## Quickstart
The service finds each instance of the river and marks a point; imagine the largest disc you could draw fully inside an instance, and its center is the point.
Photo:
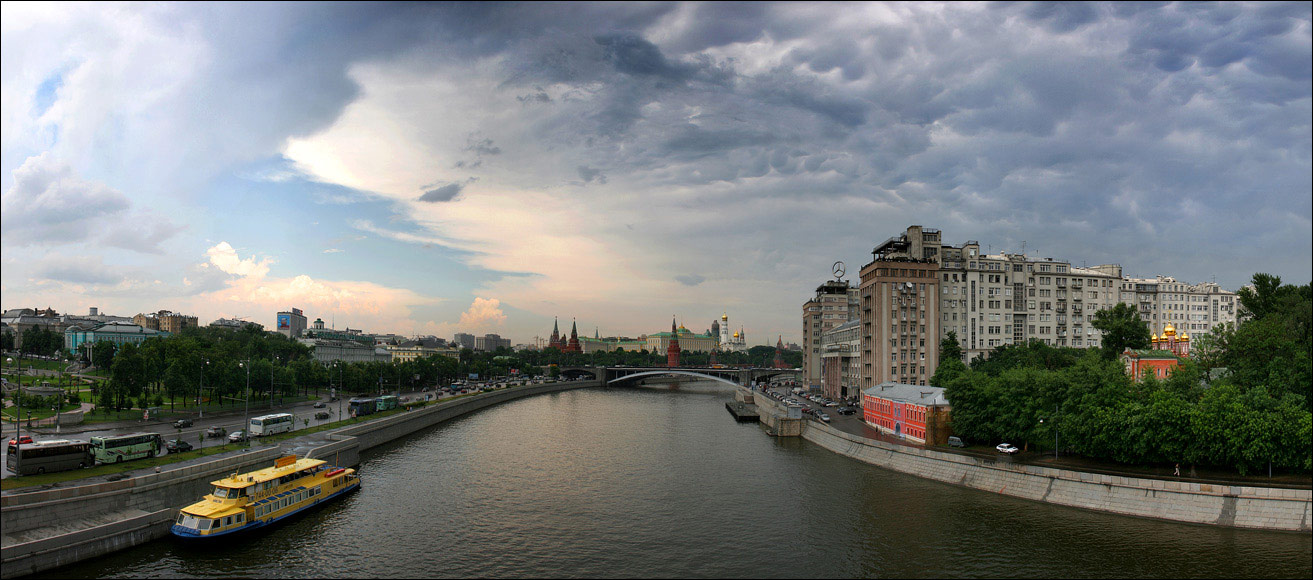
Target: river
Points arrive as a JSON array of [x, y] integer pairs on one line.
[[660, 481]]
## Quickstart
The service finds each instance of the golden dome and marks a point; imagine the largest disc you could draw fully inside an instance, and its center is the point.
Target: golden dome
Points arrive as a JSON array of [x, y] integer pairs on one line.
[[1154, 337], [1169, 330], [1185, 336], [724, 317], [736, 334]]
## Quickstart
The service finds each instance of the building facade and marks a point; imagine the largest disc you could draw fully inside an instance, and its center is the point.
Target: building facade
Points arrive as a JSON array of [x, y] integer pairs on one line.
[[915, 412], [235, 324], [836, 303], [688, 341], [900, 314], [291, 323], [116, 332], [841, 360], [995, 299]]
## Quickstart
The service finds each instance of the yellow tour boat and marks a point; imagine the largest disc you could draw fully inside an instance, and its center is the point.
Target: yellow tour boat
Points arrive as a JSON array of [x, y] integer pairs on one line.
[[248, 501]]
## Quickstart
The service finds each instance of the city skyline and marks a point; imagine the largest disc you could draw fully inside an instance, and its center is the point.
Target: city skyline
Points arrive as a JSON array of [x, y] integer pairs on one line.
[[425, 169]]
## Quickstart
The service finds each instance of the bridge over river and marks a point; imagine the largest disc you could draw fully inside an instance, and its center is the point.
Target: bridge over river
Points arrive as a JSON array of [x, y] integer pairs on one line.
[[744, 377]]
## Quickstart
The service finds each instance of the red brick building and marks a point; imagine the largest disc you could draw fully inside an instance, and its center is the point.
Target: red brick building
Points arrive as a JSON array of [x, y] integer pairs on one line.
[[915, 412]]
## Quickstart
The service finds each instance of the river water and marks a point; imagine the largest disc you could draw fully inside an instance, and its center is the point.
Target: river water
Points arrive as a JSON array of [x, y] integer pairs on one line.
[[661, 482]]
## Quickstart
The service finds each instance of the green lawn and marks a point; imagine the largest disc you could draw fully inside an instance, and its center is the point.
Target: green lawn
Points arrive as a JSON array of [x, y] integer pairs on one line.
[[49, 365], [11, 413]]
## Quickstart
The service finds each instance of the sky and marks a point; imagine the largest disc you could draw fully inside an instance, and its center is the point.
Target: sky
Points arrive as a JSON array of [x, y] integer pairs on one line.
[[486, 168]]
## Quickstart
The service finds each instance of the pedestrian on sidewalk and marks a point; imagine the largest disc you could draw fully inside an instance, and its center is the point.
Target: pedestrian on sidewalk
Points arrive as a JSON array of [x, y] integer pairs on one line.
[[1177, 473]]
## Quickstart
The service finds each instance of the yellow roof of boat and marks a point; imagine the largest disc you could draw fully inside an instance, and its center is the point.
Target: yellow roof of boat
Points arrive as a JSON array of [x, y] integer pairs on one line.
[[281, 468]]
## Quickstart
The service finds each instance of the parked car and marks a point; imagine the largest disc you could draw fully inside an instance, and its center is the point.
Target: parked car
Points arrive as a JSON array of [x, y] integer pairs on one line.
[[822, 416], [846, 411], [237, 436], [215, 432], [180, 423], [955, 441], [177, 446], [1007, 448], [320, 405]]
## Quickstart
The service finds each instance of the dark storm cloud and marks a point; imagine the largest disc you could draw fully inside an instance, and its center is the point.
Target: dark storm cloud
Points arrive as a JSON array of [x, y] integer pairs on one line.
[[1149, 120], [690, 279], [440, 194], [589, 175]]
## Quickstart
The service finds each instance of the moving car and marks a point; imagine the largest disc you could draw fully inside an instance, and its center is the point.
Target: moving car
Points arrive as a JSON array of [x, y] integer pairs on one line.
[[320, 405], [237, 436], [955, 441], [1007, 448], [322, 415], [22, 440], [177, 446], [180, 423], [213, 432]]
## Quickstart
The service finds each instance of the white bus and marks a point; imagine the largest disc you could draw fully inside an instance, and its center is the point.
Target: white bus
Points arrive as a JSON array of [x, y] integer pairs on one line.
[[271, 424]]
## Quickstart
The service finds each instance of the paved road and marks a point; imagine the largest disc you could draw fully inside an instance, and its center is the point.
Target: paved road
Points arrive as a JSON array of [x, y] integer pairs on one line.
[[303, 411]]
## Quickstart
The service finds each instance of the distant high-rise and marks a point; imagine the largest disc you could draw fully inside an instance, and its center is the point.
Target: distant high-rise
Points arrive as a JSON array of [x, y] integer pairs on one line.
[[291, 323]]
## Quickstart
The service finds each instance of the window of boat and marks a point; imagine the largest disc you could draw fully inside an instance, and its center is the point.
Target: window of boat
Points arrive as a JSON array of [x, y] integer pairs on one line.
[[204, 525], [221, 492], [180, 518], [241, 518]]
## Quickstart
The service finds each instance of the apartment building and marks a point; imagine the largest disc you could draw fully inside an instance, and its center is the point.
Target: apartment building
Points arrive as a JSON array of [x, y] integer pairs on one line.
[[900, 311], [836, 303], [994, 299], [165, 321]]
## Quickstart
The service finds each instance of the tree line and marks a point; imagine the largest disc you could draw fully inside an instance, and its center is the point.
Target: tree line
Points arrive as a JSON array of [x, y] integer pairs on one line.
[[1242, 400]]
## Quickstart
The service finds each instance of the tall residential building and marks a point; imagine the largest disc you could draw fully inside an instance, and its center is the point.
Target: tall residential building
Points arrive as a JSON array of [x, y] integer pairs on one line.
[[291, 323], [464, 340], [836, 302], [900, 313], [490, 342], [994, 299]]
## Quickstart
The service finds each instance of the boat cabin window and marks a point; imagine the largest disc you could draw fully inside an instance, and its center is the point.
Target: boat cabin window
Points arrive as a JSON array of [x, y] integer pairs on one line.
[[223, 492]]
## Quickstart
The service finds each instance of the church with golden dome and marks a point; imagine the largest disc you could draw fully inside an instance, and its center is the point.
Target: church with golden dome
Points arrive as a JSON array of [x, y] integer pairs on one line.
[[1162, 357]]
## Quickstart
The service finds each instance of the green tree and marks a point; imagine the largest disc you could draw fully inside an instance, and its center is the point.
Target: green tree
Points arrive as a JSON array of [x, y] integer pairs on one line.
[[1122, 328]]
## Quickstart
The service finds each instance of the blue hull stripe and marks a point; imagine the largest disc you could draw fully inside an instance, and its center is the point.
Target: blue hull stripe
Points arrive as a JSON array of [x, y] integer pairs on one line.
[[194, 534]]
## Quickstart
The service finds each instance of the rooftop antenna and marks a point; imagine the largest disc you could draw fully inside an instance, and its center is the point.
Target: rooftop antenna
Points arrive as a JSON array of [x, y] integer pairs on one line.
[[1023, 248]]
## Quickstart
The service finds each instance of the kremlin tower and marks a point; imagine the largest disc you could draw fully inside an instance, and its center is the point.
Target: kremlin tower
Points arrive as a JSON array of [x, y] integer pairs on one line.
[[573, 345], [779, 352], [556, 341], [672, 353]]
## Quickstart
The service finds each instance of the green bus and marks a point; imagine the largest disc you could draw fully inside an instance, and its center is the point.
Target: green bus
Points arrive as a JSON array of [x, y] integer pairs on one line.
[[387, 402], [49, 456], [126, 447]]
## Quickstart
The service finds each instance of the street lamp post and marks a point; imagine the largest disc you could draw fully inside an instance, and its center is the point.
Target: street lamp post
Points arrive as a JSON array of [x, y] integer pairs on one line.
[[200, 392], [246, 427]]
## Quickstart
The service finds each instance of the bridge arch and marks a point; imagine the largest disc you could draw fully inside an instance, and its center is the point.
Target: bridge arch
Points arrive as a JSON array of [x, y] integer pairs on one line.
[[645, 374]]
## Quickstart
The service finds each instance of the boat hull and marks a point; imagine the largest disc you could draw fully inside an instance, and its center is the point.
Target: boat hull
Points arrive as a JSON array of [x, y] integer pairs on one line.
[[193, 536]]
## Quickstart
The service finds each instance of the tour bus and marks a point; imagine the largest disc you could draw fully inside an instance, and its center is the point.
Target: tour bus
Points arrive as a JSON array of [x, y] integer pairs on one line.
[[272, 424], [49, 456], [387, 402], [126, 447], [362, 407]]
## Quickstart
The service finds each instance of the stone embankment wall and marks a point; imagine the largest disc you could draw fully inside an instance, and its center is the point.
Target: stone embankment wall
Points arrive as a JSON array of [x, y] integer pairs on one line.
[[93, 520], [1238, 506], [99, 518]]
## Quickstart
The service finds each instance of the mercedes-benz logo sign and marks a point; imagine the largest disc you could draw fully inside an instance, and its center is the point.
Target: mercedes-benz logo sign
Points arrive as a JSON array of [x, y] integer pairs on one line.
[[838, 270]]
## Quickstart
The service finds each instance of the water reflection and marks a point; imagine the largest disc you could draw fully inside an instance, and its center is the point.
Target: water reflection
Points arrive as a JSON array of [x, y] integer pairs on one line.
[[662, 482]]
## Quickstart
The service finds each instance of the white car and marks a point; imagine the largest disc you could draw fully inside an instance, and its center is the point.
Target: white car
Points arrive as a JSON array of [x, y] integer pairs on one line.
[[1007, 448]]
